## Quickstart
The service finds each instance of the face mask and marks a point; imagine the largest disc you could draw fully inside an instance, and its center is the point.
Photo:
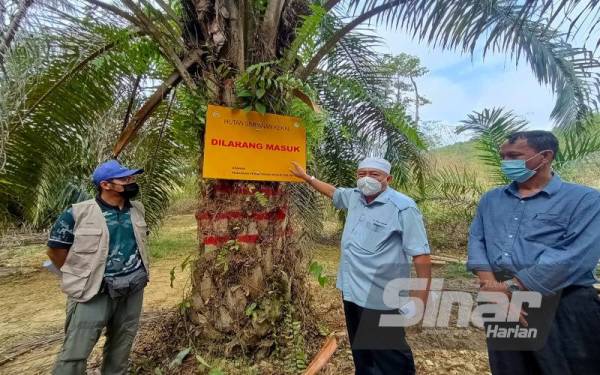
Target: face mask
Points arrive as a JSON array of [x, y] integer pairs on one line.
[[130, 190], [516, 170], [368, 185]]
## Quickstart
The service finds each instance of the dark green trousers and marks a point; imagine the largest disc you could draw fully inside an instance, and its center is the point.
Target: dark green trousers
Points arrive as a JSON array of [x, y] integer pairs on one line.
[[84, 324]]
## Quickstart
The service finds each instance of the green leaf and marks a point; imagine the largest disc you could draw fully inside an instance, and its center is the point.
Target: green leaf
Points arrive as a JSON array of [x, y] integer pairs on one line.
[[315, 268], [185, 262], [322, 280], [260, 107], [244, 93], [260, 93], [172, 276], [261, 198], [250, 309]]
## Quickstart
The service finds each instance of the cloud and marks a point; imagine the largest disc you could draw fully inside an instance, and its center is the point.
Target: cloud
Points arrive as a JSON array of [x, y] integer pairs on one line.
[[433, 59], [444, 95], [519, 91], [458, 84]]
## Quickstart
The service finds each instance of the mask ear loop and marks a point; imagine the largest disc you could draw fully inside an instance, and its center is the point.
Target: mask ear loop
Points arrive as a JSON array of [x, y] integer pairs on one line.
[[541, 164]]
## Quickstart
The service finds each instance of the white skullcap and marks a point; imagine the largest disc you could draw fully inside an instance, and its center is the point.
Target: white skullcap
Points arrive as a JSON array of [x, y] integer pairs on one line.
[[376, 163]]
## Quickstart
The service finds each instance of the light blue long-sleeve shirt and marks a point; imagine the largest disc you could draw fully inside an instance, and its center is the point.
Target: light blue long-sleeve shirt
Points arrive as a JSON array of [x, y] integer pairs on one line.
[[548, 241], [378, 243]]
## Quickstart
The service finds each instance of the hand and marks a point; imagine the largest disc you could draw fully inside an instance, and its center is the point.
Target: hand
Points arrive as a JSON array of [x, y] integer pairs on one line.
[[493, 286], [522, 319], [298, 171], [497, 286], [409, 309]]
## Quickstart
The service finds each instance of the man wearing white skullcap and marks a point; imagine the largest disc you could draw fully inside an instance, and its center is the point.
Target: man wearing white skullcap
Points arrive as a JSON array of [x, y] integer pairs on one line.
[[383, 232]]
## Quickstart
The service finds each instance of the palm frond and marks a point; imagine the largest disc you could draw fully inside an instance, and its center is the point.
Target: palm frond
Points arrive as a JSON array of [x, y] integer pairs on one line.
[[516, 27], [578, 147], [307, 208], [455, 184], [57, 133], [361, 121], [490, 128]]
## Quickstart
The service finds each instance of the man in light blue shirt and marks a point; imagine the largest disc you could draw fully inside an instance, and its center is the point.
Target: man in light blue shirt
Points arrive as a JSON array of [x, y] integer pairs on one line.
[[383, 233], [540, 234]]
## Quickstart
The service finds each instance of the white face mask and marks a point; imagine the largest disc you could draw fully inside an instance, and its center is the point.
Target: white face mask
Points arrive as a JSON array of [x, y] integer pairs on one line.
[[368, 185]]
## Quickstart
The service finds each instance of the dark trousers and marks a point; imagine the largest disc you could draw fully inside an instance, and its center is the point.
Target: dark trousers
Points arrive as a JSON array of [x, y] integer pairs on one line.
[[84, 324], [376, 350], [572, 346]]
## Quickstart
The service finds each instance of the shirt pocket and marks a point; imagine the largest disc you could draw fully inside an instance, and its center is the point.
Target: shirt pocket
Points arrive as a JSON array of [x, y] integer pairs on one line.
[[371, 234], [546, 228], [87, 240]]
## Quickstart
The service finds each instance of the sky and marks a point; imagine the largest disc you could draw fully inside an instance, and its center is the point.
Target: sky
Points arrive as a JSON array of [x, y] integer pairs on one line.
[[458, 84]]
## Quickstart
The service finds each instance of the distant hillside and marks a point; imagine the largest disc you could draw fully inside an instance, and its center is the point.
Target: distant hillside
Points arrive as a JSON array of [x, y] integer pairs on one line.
[[464, 155], [461, 155]]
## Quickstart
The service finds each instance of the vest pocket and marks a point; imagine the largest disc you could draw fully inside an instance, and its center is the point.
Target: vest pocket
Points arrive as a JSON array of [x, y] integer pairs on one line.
[[74, 280], [87, 240], [142, 229]]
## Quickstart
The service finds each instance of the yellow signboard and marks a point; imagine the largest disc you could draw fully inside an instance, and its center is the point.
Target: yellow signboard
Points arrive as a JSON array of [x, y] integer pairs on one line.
[[240, 145]]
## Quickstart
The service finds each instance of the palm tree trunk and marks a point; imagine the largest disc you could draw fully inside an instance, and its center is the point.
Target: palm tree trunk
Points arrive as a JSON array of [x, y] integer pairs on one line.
[[249, 270], [250, 274]]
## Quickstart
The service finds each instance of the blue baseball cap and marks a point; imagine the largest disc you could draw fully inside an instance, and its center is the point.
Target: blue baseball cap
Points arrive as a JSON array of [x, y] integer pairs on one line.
[[112, 169]]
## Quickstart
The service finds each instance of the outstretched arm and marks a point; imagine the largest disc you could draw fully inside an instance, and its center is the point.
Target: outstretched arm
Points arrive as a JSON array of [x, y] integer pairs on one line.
[[320, 186]]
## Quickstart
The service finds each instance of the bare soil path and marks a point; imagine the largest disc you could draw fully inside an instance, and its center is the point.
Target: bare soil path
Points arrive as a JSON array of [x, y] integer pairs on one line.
[[32, 311]]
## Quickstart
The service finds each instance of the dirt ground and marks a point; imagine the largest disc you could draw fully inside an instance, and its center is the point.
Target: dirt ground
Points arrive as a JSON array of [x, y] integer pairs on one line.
[[32, 311]]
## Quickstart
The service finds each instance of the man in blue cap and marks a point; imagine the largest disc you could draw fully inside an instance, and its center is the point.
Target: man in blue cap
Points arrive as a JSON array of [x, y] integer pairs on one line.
[[100, 247], [383, 232]]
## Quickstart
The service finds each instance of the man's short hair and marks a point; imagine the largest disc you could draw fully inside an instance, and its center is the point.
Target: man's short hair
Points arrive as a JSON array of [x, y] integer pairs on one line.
[[539, 140]]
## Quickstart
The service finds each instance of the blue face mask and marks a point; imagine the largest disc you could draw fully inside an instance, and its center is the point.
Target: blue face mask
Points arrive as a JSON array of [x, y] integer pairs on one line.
[[516, 169]]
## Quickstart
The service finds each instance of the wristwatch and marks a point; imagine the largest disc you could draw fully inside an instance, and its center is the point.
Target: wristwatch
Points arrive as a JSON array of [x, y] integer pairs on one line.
[[512, 286]]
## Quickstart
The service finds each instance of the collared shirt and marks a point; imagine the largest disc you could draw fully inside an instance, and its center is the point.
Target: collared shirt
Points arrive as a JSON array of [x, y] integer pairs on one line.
[[378, 243], [123, 254], [548, 241]]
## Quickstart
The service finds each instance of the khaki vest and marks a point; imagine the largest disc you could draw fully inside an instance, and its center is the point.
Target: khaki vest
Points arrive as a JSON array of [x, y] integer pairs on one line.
[[84, 267]]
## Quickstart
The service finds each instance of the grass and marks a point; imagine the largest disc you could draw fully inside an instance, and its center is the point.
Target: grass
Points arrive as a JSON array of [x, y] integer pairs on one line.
[[184, 200], [462, 154], [177, 236], [457, 270]]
